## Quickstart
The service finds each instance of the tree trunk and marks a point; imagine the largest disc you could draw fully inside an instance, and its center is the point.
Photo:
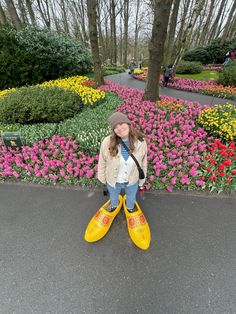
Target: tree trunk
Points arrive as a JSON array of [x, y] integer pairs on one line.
[[101, 37], [121, 37], [136, 30], [126, 25], [83, 22], [186, 39], [206, 26], [232, 30], [227, 25], [182, 30], [80, 12], [92, 19], [64, 17], [44, 12], [54, 17], [13, 14], [156, 48], [3, 19], [113, 28], [216, 22], [31, 12], [23, 13], [171, 33]]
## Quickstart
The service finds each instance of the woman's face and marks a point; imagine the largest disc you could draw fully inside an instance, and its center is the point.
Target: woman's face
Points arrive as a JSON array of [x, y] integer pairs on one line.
[[122, 130]]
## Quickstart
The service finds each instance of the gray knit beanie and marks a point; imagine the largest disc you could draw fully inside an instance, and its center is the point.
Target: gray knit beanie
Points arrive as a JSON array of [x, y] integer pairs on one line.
[[118, 118]]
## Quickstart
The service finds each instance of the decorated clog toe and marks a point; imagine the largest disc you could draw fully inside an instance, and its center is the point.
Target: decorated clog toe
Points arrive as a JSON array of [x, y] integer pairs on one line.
[[101, 222], [138, 227]]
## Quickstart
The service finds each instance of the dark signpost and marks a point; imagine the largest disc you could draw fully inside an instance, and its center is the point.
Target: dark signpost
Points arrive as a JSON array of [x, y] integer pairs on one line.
[[12, 139]]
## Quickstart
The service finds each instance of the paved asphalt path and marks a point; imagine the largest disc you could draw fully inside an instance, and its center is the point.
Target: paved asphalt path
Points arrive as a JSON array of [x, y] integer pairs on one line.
[[125, 79], [47, 267]]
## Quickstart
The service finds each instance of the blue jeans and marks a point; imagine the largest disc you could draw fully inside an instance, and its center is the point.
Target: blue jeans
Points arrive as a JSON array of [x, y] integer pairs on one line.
[[130, 191]]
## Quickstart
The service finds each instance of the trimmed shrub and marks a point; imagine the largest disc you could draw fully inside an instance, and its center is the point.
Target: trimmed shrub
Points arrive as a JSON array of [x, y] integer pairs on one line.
[[109, 70], [228, 75], [88, 127], [213, 53], [35, 55], [199, 54], [30, 105], [186, 67]]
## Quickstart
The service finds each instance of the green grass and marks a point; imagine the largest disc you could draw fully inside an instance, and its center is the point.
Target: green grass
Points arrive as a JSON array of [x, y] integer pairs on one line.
[[203, 76]]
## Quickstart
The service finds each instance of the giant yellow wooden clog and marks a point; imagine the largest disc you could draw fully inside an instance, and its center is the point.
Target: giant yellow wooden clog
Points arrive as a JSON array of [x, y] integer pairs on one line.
[[101, 222], [138, 227]]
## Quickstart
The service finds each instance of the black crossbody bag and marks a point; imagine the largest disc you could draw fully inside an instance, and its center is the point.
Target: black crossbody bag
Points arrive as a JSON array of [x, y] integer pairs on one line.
[[140, 170]]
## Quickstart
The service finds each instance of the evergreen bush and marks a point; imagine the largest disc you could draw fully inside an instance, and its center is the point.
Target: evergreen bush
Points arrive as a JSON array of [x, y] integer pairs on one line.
[[227, 76], [213, 53], [35, 55], [29, 105], [186, 67]]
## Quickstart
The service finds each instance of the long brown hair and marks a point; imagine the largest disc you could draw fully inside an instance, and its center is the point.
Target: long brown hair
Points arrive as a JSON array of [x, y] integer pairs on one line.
[[115, 140]]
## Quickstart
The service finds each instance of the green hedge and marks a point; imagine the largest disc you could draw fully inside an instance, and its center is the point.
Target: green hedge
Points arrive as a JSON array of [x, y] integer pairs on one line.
[[213, 53], [35, 55], [227, 76], [109, 70], [88, 127], [188, 67], [39, 105]]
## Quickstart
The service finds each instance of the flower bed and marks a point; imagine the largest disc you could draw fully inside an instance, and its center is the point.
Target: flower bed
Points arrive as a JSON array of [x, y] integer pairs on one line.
[[213, 67], [218, 167], [50, 160], [203, 87], [178, 148], [220, 120], [79, 84]]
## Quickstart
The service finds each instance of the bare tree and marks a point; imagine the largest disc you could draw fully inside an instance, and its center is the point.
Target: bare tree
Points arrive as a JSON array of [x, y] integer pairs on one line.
[[14, 15], [23, 13], [172, 30], [206, 26], [185, 39], [81, 15], [43, 7], [156, 48], [215, 24], [121, 35], [232, 30], [227, 25], [126, 25], [64, 16], [3, 18], [136, 32], [31, 11], [92, 18], [100, 32]]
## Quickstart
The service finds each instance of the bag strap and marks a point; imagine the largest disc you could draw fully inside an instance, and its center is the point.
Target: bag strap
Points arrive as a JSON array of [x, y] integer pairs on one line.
[[131, 155]]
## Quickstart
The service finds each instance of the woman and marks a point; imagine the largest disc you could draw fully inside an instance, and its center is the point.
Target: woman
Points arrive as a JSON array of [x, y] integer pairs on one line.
[[117, 169], [132, 66]]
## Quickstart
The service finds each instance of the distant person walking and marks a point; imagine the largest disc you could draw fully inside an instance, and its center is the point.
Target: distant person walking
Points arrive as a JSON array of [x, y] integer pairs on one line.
[[140, 65], [227, 58], [166, 75], [132, 66], [232, 55]]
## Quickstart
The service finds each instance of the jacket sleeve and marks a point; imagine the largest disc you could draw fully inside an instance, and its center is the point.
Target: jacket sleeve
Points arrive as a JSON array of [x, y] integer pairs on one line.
[[102, 164], [144, 164]]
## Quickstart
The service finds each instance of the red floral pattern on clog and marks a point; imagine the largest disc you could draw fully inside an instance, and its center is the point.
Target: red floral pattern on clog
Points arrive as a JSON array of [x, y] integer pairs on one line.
[[102, 218], [136, 221]]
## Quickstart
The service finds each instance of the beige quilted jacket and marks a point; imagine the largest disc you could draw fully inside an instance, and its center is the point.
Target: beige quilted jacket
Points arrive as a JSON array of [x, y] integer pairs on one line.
[[108, 166]]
